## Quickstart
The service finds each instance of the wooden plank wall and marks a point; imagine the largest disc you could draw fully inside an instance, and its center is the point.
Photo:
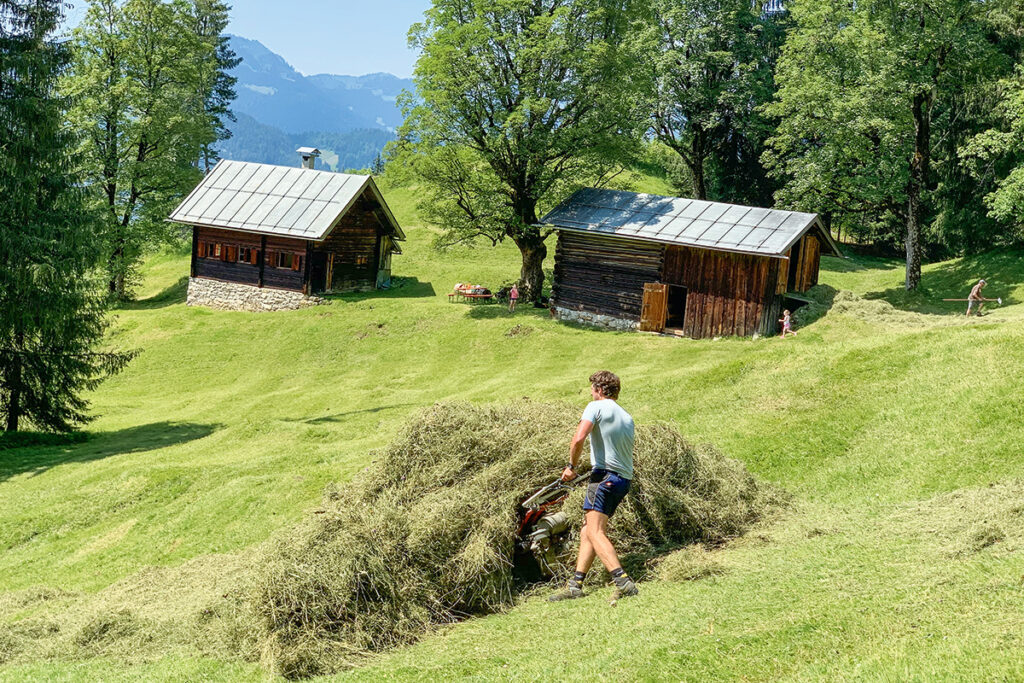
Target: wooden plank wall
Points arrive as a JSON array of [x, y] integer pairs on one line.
[[355, 237], [727, 294], [602, 274]]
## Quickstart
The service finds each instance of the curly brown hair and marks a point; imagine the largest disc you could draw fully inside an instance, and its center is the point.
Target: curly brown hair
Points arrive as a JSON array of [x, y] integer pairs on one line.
[[607, 383]]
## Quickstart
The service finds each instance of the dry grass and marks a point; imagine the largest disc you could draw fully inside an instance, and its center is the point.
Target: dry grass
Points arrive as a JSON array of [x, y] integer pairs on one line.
[[425, 535], [970, 521], [691, 563]]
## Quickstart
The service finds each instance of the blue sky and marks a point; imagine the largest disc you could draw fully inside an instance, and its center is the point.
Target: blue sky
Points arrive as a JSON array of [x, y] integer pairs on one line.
[[327, 36]]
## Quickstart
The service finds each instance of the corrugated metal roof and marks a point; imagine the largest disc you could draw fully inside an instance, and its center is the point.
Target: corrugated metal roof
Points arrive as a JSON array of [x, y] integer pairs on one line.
[[275, 200], [690, 222]]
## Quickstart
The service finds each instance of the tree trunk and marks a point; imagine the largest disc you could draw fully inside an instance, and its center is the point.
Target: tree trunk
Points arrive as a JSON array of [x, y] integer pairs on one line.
[[116, 283], [919, 168], [699, 185], [531, 275], [698, 154], [13, 381]]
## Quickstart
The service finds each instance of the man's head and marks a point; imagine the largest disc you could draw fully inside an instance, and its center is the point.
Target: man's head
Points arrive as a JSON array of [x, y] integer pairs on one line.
[[982, 283], [604, 384]]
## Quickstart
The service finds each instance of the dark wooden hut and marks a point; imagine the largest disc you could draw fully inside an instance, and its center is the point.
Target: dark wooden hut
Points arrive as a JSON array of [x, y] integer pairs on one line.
[[293, 229], [696, 268]]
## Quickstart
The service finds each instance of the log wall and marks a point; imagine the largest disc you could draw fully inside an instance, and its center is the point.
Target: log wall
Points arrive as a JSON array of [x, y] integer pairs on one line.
[[604, 275]]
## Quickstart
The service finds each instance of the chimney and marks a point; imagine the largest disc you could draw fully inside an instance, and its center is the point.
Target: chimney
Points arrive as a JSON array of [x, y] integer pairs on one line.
[[309, 155]]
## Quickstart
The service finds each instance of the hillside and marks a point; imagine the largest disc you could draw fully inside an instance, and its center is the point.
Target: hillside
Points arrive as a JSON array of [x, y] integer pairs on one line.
[[893, 422]]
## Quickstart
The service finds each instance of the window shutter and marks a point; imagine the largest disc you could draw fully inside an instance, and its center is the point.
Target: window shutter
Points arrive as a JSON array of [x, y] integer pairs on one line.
[[295, 261], [201, 249], [254, 257], [270, 258]]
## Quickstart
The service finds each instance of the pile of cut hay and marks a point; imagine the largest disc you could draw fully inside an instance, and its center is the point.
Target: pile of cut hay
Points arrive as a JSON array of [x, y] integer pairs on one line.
[[425, 535]]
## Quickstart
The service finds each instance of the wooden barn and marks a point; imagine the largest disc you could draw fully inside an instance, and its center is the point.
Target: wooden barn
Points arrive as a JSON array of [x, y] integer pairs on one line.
[[273, 234], [695, 268]]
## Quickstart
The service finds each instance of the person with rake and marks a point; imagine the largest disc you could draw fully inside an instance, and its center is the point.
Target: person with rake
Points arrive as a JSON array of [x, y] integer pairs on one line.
[[611, 433], [975, 298]]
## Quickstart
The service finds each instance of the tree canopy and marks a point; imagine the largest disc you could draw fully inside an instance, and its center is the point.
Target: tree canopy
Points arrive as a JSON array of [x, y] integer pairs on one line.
[[52, 314], [517, 103], [149, 102], [862, 90]]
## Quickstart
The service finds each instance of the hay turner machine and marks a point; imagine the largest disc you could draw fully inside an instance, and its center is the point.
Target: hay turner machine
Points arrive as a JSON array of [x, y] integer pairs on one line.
[[544, 530]]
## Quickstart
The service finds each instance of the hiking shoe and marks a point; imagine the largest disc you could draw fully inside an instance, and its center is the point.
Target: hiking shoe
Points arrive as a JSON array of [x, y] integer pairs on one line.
[[572, 591], [624, 588]]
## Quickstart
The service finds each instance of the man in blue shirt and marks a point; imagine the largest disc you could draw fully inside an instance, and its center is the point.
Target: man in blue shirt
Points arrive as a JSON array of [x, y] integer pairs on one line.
[[611, 433]]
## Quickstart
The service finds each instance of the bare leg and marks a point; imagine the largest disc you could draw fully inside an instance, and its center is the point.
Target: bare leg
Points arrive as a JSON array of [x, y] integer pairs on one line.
[[586, 558], [596, 524]]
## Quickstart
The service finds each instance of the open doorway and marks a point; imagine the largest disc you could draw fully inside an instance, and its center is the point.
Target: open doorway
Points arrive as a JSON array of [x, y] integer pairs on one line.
[[794, 265], [676, 307]]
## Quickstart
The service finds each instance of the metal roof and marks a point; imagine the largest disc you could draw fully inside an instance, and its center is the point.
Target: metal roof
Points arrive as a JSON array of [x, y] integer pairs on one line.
[[689, 222], [276, 200]]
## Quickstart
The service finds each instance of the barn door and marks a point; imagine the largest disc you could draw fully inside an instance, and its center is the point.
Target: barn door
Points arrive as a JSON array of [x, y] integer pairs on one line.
[[655, 307]]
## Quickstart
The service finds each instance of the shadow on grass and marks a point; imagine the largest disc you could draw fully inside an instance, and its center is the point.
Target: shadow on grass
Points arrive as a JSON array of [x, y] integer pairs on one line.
[[401, 288], [36, 459], [341, 417], [954, 280], [495, 311], [175, 294], [822, 297]]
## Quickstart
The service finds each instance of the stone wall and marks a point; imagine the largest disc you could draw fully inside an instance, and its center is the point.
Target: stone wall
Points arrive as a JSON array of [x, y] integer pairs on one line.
[[231, 296], [595, 319]]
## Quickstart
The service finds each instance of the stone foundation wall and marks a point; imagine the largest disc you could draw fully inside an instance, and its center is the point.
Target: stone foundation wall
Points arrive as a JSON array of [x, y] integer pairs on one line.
[[231, 296], [595, 319]]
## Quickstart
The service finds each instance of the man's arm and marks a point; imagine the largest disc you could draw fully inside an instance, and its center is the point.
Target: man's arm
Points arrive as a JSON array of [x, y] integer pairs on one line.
[[575, 447]]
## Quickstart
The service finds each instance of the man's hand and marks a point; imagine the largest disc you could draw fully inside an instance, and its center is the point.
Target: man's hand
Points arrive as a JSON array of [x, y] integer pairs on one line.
[[568, 473]]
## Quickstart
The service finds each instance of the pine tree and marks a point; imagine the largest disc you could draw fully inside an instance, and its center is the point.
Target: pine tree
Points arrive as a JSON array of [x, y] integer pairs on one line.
[[51, 315]]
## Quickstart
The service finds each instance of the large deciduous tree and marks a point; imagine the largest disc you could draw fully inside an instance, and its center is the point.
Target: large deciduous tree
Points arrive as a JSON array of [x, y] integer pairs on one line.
[[711, 68], [52, 315], [998, 154], [860, 86], [149, 104], [518, 102]]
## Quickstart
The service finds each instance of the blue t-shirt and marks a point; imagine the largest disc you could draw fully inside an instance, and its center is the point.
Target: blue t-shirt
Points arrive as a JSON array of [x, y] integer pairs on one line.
[[611, 441]]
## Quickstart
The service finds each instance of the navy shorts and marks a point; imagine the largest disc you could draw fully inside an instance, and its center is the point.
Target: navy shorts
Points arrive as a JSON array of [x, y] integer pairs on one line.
[[605, 491]]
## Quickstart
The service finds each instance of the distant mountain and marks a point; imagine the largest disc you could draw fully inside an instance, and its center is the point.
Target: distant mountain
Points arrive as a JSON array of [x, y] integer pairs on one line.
[[254, 141], [350, 118]]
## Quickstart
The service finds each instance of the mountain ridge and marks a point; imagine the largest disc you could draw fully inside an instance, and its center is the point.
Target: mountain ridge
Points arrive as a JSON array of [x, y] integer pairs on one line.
[[277, 106]]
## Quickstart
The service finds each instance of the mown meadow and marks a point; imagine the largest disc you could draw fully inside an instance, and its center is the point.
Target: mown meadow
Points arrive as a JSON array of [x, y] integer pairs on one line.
[[893, 422]]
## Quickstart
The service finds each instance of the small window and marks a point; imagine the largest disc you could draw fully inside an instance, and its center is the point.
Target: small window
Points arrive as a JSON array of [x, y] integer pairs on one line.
[[245, 254], [211, 251], [283, 260], [362, 260]]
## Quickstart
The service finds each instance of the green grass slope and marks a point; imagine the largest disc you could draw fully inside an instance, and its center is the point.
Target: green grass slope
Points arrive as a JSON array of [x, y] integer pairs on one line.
[[894, 421]]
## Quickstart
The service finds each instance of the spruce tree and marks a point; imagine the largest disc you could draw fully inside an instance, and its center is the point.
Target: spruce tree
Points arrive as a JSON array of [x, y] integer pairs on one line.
[[52, 318], [217, 85]]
